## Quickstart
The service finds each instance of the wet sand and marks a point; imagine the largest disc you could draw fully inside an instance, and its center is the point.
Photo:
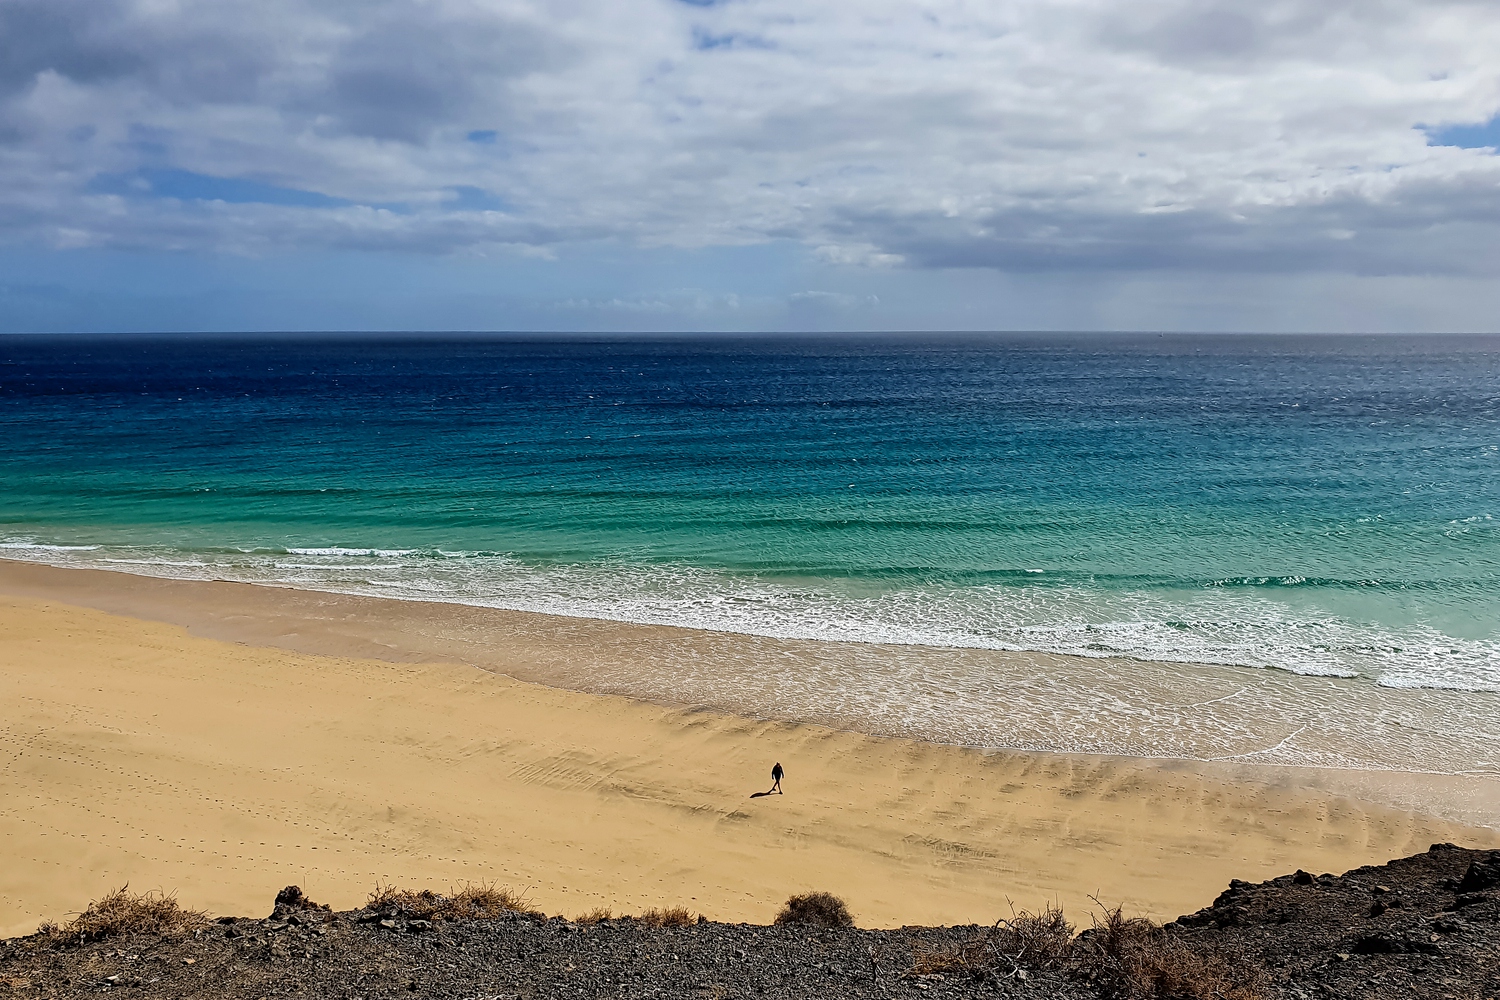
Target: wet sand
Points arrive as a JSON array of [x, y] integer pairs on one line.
[[1349, 730]]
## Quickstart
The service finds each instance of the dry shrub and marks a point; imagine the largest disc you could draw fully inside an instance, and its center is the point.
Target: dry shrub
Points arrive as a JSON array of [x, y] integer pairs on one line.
[[1130, 958], [1143, 961], [293, 898], [472, 902], [958, 960], [595, 916], [124, 912], [675, 916], [822, 909], [1039, 940]]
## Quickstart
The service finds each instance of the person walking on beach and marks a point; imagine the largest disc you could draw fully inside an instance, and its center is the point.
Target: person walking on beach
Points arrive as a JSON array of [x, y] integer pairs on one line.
[[776, 773]]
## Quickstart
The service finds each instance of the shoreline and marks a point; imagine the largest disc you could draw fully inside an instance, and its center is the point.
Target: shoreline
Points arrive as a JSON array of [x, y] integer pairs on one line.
[[604, 656], [137, 751]]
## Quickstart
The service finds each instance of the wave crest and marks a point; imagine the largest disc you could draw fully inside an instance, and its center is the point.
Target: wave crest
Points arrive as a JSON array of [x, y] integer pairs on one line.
[[1240, 625]]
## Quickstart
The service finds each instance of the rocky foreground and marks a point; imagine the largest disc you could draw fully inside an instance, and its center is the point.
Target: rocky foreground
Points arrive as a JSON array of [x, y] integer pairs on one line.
[[1425, 926]]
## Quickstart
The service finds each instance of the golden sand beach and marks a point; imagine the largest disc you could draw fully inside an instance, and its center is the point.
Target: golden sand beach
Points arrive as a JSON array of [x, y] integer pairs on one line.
[[220, 741]]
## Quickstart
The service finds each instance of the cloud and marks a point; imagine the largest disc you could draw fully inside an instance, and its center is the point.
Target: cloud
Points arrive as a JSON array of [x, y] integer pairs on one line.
[[1067, 135], [71, 39], [184, 185]]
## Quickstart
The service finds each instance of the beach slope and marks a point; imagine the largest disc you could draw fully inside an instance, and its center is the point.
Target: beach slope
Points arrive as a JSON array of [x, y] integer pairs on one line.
[[132, 751]]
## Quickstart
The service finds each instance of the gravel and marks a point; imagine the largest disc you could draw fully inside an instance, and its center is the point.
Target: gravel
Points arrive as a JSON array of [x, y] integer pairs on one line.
[[1426, 926]]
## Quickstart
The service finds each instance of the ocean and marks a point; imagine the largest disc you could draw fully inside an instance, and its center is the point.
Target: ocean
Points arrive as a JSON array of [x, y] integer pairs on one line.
[[1326, 506]]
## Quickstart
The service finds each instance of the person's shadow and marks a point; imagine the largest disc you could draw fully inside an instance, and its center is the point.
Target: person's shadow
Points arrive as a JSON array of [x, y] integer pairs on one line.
[[756, 795]]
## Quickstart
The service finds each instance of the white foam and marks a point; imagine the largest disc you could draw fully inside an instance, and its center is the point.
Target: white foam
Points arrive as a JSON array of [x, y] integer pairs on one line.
[[339, 567], [335, 550], [1232, 626], [931, 676], [20, 546]]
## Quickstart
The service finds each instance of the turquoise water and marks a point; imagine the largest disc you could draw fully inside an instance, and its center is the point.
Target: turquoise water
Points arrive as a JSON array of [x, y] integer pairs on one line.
[[1320, 505]]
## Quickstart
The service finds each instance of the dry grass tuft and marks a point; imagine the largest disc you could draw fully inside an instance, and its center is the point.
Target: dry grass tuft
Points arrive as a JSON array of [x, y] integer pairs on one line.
[[672, 916], [472, 902], [595, 916], [926, 961], [1132, 958], [1145, 962], [1039, 940], [675, 916], [124, 912], [822, 909]]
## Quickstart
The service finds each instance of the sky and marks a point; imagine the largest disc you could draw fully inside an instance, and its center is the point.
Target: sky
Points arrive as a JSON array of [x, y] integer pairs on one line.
[[738, 165]]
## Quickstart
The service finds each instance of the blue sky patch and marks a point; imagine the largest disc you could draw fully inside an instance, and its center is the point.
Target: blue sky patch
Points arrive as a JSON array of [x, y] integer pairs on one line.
[[483, 136], [704, 40], [1466, 136], [473, 199]]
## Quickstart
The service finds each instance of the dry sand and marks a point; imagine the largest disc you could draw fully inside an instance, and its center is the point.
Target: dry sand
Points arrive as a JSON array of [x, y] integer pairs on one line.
[[132, 750]]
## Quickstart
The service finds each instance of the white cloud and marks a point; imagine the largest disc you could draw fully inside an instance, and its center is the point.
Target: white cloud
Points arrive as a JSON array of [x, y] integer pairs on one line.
[[837, 300], [861, 254], [1258, 137]]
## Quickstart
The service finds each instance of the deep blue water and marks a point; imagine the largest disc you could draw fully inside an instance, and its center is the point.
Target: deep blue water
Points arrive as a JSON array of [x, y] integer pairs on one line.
[[1319, 504]]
